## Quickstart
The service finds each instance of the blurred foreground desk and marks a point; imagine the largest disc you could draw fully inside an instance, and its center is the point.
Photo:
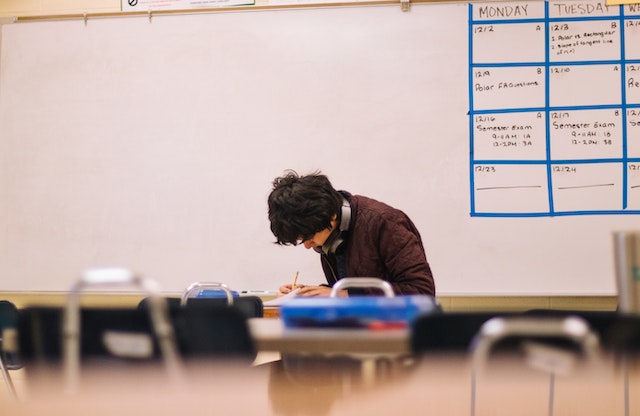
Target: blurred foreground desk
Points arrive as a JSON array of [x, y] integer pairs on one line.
[[364, 357], [439, 386], [271, 335]]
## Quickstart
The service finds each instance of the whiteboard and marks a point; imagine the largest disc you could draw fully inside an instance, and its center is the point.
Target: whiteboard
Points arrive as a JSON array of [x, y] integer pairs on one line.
[[152, 144], [544, 141]]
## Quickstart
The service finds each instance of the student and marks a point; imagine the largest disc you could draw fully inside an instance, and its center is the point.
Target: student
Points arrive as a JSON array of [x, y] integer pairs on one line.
[[356, 236]]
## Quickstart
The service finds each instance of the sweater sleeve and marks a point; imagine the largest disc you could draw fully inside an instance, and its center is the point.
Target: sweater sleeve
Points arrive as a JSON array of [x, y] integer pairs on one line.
[[403, 256]]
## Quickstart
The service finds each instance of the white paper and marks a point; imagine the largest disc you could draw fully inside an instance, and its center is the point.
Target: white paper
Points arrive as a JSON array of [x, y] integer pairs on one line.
[[281, 299]]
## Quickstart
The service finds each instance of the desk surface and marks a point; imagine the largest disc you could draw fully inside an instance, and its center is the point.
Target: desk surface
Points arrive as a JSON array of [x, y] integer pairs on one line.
[[440, 387], [271, 335]]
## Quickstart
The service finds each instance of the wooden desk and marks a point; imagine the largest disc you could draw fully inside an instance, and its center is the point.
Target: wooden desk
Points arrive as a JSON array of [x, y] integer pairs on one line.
[[439, 386], [363, 357], [443, 386], [271, 335]]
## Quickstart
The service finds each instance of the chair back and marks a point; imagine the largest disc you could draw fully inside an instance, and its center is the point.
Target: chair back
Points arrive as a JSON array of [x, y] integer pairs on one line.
[[9, 357], [447, 332], [249, 306], [619, 333], [8, 335], [551, 344], [110, 334]]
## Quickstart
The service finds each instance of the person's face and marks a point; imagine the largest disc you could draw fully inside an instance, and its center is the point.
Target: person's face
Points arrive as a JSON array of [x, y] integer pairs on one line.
[[320, 237]]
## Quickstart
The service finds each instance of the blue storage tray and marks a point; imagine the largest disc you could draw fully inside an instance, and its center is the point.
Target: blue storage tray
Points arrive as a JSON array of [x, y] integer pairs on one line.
[[361, 311], [215, 293]]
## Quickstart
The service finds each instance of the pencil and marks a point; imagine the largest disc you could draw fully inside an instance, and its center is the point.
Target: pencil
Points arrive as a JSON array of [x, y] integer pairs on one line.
[[295, 279]]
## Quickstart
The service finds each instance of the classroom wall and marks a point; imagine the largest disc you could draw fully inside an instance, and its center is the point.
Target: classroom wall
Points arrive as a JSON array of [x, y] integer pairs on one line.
[[15, 8], [22, 8], [481, 226]]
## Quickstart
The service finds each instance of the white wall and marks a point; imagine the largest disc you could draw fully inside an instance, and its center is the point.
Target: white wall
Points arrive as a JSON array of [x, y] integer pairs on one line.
[[16, 8]]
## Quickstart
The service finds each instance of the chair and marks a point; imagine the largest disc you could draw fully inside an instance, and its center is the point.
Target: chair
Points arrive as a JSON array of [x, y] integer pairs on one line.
[[454, 331], [486, 338], [448, 332], [102, 335], [9, 358], [221, 320], [598, 320], [551, 344], [109, 334], [619, 335], [66, 339], [202, 293], [250, 306], [62, 338], [622, 339]]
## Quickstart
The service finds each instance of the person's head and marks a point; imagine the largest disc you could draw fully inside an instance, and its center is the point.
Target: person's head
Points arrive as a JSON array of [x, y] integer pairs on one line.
[[303, 209]]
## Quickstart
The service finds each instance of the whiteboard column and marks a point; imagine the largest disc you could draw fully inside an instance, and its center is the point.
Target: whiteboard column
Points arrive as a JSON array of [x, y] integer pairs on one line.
[[552, 106]]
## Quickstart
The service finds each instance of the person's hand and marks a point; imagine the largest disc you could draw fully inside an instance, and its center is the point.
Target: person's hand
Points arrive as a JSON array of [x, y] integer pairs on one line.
[[318, 291], [286, 289]]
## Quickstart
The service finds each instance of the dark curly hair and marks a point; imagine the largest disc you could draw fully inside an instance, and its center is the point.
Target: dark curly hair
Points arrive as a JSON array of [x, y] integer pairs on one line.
[[300, 206]]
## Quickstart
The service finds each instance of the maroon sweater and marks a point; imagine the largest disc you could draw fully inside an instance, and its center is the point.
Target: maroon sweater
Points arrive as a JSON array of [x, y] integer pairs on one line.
[[382, 242]]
